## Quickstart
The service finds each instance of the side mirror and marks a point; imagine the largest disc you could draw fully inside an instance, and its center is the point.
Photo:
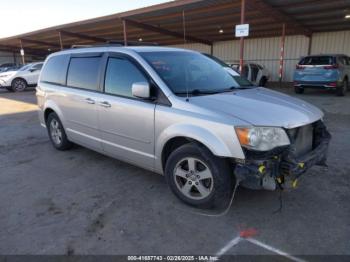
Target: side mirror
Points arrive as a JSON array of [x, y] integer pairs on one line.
[[141, 90], [32, 70]]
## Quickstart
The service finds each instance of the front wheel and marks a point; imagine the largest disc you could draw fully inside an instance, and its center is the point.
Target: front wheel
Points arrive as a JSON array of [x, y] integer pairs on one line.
[[199, 178], [18, 85], [56, 132]]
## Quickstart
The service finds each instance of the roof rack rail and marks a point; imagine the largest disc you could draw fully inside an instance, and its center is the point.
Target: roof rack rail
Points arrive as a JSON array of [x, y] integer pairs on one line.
[[132, 43], [119, 43], [81, 46]]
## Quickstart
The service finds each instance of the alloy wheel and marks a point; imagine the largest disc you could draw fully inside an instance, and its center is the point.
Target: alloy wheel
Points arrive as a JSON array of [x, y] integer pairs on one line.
[[55, 131], [19, 85], [193, 178]]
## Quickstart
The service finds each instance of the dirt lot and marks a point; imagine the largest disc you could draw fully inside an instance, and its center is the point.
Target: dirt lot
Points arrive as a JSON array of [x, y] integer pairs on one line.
[[82, 202]]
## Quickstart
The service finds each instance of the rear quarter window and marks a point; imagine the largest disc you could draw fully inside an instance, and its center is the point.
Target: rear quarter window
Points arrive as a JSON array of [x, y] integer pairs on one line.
[[83, 72], [55, 70]]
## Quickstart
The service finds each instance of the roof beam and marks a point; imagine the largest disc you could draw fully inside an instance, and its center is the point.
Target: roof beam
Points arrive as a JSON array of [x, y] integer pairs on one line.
[[31, 41], [83, 36], [166, 32], [278, 15], [197, 11]]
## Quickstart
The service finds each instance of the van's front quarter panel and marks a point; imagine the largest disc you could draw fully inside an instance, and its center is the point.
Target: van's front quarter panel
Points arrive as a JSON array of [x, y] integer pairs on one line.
[[218, 136]]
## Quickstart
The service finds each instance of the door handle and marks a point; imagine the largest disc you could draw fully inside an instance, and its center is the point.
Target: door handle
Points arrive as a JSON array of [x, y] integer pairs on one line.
[[90, 101], [105, 104]]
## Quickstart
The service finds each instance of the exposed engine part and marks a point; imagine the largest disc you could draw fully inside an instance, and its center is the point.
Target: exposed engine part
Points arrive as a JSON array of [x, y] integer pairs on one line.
[[283, 166]]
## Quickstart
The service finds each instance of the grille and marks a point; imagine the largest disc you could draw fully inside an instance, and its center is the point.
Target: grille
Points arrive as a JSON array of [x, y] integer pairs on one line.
[[302, 139]]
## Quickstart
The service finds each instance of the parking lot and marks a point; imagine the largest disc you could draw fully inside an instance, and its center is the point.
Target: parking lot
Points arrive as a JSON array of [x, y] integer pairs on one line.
[[82, 202]]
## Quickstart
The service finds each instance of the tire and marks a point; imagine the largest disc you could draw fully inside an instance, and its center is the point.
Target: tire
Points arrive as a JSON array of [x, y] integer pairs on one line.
[[9, 88], [298, 90], [56, 132], [18, 85], [341, 90], [208, 184], [263, 82]]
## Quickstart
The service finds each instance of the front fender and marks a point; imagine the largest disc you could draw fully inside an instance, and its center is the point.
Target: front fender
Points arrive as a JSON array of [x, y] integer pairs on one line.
[[213, 142]]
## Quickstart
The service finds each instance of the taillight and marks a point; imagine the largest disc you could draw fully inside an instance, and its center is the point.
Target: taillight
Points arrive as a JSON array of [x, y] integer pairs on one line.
[[335, 66], [299, 67]]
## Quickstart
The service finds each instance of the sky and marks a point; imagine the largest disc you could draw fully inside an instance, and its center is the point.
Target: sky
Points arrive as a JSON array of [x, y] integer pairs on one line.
[[22, 16]]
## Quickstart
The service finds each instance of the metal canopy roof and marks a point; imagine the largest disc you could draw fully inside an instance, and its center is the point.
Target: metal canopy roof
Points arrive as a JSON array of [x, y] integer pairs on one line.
[[203, 19]]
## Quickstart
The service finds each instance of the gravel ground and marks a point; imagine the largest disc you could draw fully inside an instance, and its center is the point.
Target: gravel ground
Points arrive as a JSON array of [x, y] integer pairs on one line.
[[82, 202]]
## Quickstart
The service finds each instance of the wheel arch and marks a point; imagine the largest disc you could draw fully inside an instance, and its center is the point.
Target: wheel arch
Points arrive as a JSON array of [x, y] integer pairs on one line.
[[176, 136], [19, 77], [52, 107]]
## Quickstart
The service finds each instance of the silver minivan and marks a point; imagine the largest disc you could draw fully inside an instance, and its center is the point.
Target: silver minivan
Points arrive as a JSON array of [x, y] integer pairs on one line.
[[179, 113]]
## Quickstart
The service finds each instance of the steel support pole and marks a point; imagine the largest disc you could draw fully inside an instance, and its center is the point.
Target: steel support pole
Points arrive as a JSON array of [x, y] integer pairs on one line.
[[283, 38], [241, 42], [184, 25], [125, 33], [60, 37], [23, 58]]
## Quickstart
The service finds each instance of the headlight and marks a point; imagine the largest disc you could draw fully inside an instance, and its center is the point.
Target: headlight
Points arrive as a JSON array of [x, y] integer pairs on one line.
[[3, 76], [262, 138]]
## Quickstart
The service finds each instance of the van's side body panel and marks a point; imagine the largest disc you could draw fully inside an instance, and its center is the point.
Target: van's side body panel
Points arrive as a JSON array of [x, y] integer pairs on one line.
[[136, 131]]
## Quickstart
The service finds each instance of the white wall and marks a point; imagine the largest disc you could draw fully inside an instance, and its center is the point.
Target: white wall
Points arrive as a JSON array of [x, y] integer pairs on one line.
[[266, 51], [6, 57], [195, 46]]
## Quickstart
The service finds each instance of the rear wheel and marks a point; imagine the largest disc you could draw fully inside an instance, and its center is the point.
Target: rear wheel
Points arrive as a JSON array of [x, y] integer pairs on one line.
[[298, 90], [56, 132], [199, 178], [18, 85], [341, 90]]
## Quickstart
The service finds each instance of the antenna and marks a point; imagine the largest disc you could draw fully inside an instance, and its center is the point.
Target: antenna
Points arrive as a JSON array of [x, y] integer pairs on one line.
[[184, 31]]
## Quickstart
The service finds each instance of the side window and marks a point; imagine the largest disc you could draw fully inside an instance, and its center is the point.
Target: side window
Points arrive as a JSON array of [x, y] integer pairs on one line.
[[37, 66], [55, 70], [347, 60], [83, 72], [341, 60], [120, 75]]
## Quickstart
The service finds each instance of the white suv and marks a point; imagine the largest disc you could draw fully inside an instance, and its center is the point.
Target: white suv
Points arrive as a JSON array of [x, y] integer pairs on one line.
[[17, 80]]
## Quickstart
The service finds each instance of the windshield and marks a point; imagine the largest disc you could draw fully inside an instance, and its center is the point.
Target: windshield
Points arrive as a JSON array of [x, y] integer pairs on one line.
[[191, 72], [217, 60], [25, 67]]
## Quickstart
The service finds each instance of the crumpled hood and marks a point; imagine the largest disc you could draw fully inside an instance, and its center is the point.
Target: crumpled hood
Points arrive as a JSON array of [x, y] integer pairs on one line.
[[261, 107]]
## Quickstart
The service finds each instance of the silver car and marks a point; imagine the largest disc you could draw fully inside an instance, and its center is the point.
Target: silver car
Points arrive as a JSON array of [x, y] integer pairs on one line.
[[179, 113]]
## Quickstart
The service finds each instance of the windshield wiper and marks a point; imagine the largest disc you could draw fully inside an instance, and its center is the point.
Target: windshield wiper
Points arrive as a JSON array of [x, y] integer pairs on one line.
[[237, 87], [198, 92]]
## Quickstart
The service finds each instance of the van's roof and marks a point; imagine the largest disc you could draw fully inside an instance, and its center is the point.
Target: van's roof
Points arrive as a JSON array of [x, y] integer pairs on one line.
[[109, 48]]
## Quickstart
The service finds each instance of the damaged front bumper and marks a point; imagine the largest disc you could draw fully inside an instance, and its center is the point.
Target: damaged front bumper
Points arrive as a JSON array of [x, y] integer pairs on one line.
[[282, 167]]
